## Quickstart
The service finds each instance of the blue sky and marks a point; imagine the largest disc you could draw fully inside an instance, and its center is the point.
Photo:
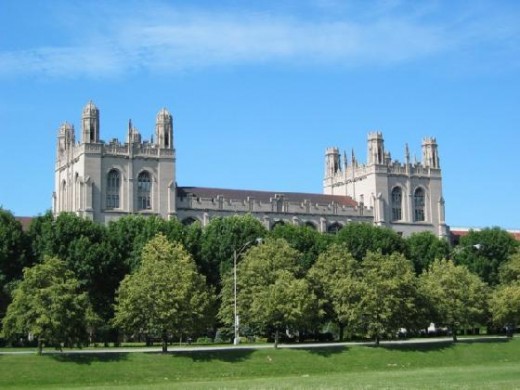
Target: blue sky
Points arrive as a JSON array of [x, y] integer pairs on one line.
[[258, 90]]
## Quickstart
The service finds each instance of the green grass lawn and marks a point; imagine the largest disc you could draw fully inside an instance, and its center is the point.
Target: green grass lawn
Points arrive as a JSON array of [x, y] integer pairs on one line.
[[477, 364]]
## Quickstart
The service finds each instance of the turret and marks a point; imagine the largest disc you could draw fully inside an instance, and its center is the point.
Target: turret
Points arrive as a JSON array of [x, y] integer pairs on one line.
[[164, 129], [430, 153], [134, 136], [66, 137], [90, 124], [332, 162], [376, 148]]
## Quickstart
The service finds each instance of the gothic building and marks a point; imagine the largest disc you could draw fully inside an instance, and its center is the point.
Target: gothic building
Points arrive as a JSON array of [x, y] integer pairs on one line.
[[104, 181]]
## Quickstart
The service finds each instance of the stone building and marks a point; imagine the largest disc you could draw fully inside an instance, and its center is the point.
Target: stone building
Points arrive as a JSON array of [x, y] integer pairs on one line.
[[404, 196], [104, 181]]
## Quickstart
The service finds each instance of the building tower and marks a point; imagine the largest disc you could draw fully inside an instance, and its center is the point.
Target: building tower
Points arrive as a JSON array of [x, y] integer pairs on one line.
[[332, 167], [90, 124], [105, 181], [404, 196], [376, 148], [164, 129], [430, 153]]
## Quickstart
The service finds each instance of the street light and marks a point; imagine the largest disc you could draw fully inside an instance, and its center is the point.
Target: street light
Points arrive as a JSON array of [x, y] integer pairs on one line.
[[236, 253], [459, 249]]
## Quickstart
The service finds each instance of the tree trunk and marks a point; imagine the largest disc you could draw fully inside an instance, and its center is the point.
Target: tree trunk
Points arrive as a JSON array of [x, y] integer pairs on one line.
[[164, 341], [377, 339], [40, 346], [341, 330], [454, 334], [276, 338]]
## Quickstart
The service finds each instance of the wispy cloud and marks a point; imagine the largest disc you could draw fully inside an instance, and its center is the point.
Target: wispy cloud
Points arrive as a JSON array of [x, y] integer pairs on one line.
[[169, 39]]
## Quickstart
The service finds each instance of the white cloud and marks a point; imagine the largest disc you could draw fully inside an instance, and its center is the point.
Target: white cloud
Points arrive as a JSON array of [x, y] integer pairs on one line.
[[168, 39]]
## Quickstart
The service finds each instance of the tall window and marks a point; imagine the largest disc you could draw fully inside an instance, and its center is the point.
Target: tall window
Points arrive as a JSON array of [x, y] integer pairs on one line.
[[397, 204], [418, 201], [144, 190], [113, 189]]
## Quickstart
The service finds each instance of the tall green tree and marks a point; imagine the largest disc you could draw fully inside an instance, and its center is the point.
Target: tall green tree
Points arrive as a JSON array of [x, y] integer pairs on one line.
[[49, 305], [306, 240], [389, 290], [335, 279], [457, 295], [361, 238], [425, 247], [504, 305], [220, 238], [484, 251], [165, 296], [271, 292], [128, 236], [509, 271], [14, 255]]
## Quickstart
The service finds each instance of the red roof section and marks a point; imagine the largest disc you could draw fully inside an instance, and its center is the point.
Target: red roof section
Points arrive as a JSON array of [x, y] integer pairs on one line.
[[25, 221]]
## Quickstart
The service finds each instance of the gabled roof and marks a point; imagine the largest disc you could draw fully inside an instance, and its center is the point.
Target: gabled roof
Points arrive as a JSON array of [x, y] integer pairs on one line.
[[265, 196]]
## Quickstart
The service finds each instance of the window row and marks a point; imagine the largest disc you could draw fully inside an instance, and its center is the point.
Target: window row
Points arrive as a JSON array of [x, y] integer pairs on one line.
[[418, 204], [144, 190]]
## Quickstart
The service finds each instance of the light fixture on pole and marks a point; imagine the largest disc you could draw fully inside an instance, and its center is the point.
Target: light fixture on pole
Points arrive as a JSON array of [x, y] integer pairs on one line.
[[236, 339]]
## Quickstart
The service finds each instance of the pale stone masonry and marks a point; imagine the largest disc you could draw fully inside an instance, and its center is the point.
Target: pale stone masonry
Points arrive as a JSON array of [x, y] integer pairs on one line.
[[104, 181]]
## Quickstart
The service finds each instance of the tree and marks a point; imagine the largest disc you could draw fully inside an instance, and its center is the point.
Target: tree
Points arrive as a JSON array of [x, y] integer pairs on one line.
[[388, 291], [306, 240], [48, 305], [425, 247], [220, 238], [361, 238], [494, 245], [165, 295], [335, 279], [504, 305], [509, 272], [457, 295], [14, 246], [270, 293]]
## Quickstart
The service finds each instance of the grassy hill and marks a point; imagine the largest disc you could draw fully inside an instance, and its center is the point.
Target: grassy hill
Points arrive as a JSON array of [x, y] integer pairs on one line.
[[475, 364]]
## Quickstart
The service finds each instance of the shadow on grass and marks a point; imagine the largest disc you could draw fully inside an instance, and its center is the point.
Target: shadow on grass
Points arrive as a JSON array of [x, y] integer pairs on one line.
[[438, 345], [88, 358], [487, 340], [238, 355], [324, 351]]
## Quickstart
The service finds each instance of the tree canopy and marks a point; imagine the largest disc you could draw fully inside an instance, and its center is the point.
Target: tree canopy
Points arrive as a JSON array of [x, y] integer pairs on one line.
[[484, 251], [388, 291], [361, 238], [220, 238], [306, 240], [457, 295], [425, 247], [48, 305], [271, 292], [165, 296], [336, 281]]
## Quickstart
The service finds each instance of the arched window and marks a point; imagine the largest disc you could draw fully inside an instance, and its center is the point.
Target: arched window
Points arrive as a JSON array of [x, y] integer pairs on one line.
[[280, 222], [397, 204], [188, 221], [418, 202], [144, 190], [113, 189], [334, 228], [64, 196], [311, 225]]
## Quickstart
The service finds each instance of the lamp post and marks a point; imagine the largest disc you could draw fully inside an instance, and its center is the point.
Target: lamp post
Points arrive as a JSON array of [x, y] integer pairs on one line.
[[236, 339]]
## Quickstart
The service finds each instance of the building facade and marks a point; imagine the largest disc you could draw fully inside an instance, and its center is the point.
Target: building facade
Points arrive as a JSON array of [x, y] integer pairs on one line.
[[406, 197], [104, 181]]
